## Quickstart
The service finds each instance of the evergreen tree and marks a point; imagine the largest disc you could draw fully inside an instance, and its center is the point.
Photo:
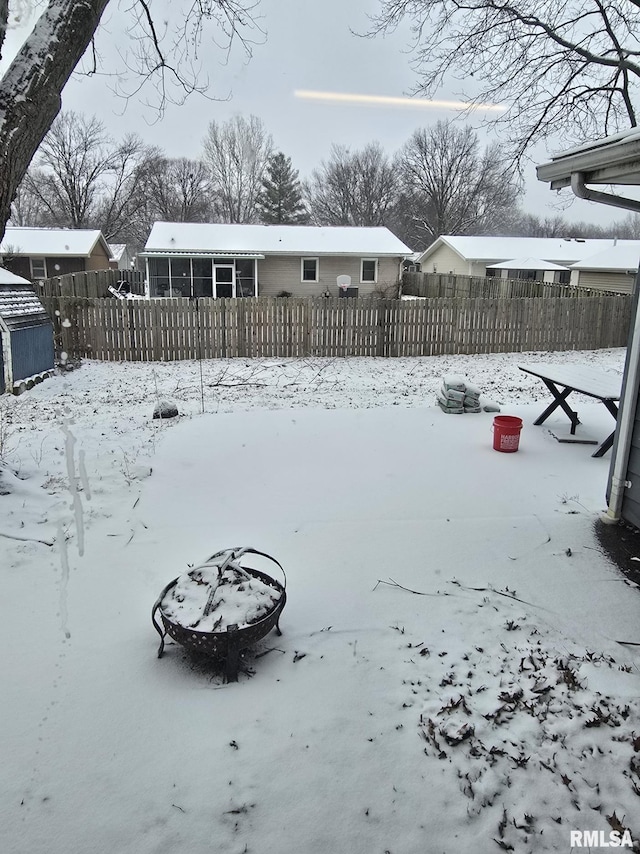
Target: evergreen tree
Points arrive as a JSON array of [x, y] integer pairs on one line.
[[280, 201]]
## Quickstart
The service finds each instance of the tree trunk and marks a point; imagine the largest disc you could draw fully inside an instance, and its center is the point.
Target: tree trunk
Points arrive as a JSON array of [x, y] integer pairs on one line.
[[31, 89]]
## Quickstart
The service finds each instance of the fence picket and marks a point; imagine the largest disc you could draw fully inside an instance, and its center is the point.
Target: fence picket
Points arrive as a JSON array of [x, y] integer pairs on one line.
[[171, 329], [431, 285]]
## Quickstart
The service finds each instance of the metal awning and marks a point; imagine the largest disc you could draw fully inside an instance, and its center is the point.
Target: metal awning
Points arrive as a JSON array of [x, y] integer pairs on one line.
[[185, 253], [526, 264]]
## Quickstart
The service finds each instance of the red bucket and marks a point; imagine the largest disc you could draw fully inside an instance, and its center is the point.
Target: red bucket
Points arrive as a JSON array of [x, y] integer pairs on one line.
[[506, 433]]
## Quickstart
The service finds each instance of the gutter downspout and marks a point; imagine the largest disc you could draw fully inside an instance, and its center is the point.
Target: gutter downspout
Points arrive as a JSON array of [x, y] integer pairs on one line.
[[632, 376], [583, 192]]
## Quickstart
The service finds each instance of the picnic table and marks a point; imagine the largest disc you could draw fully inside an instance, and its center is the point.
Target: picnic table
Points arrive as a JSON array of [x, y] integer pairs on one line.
[[561, 380]]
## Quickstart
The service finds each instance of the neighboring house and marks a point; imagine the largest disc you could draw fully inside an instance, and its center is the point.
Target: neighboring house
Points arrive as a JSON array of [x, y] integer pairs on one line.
[[548, 259], [26, 333], [41, 253], [411, 264], [612, 269], [613, 161], [206, 259], [121, 258]]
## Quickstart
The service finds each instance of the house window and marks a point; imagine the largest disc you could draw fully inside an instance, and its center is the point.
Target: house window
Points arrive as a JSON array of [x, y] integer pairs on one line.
[[369, 270], [309, 269], [38, 268]]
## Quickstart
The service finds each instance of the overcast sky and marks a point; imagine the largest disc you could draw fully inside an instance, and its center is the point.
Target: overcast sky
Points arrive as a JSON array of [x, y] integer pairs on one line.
[[306, 46]]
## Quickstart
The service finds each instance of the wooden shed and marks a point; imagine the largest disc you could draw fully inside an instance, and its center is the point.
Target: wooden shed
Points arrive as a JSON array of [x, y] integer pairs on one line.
[[26, 333]]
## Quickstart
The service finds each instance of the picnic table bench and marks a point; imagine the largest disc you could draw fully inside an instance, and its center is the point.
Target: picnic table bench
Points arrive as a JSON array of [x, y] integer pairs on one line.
[[561, 380]]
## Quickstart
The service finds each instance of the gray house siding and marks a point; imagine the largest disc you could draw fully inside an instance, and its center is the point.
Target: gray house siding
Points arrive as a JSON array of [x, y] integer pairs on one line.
[[284, 273], [630, 509]]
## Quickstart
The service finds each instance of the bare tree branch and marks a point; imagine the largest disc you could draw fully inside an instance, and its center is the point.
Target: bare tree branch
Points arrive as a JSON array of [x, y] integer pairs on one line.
[[163, 57], [557, 67], [237, 153], [451, 186], [353, 188]]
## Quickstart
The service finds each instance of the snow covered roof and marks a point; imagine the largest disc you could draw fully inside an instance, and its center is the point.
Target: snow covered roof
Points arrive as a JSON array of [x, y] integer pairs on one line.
[[561, 250], [212, 238], [526, 264], [20, 307], [117, 250], [623, 257], [51, 242], [9, 278]]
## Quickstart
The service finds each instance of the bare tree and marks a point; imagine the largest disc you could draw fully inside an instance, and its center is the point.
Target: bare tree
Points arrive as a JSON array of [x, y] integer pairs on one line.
[[81, 178], [122, 202], [177, 190], [558, 67], [627, 228], [26, 209], [163, 56], [237, 153], [451, 185], [353, 188], [68, 170], [530, 225]]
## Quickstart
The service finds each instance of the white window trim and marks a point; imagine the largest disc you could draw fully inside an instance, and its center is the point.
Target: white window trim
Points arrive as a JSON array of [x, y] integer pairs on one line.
[[309, 258], [44, 264], [375, 275]]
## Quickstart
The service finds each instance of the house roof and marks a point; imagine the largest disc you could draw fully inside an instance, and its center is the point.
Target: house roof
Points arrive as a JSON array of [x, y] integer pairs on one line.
[[52, 242], [211, 238], [623, 257], [526, 264], [20, 307], [491, 250], [612, 160], [116, 250], [9, 278]]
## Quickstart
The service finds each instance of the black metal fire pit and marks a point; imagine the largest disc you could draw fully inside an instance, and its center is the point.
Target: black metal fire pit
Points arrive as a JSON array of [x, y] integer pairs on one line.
[[223, 574]]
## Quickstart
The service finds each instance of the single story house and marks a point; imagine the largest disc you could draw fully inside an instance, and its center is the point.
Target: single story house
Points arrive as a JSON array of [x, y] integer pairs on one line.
[[544, 259], [26, 334], [41, 253], [611, 269], [612, 161], [237, 260]]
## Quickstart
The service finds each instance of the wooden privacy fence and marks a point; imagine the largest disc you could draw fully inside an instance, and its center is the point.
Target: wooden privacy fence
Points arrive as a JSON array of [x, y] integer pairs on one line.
[[90, 283], [449, 285], [172, 329]]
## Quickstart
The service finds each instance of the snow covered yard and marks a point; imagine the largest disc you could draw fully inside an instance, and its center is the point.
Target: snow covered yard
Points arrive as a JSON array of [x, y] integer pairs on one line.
[[449, 678]]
